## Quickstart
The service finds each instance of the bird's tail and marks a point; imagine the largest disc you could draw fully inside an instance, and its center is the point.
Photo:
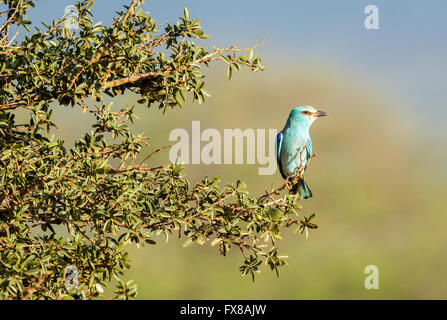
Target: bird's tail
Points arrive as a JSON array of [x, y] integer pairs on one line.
[[302, 188]]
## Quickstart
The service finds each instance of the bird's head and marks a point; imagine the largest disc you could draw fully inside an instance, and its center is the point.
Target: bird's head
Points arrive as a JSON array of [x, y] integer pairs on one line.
[[306, 113]]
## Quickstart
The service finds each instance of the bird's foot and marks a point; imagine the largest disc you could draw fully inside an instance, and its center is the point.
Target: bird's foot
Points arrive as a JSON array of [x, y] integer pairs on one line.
[[296, 178], [288, 184]]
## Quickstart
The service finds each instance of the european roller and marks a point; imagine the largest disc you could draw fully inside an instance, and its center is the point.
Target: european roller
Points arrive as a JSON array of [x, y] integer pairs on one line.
[[294, 148]]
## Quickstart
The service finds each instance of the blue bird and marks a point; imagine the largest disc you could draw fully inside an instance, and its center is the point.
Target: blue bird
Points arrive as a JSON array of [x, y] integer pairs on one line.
[[294, 148]]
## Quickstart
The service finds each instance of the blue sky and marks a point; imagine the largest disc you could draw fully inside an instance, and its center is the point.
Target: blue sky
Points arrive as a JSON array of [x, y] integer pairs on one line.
[[406, 55]]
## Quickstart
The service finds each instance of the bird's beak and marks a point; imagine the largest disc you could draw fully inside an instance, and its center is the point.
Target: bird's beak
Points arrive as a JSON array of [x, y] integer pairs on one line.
[[322, 113]]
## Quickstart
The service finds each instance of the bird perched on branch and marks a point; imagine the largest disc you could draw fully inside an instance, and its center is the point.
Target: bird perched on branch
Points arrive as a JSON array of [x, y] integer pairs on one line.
[[294, 148]]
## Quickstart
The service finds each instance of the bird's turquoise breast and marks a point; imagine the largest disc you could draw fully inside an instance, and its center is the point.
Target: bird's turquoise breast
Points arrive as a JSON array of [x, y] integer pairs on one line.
[[293, 150]]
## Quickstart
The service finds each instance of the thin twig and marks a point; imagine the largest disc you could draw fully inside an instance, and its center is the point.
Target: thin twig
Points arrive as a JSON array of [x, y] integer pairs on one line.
[[209, 57]]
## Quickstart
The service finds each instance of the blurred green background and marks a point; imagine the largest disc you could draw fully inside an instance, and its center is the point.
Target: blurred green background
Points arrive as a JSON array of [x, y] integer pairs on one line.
[[379, 178]]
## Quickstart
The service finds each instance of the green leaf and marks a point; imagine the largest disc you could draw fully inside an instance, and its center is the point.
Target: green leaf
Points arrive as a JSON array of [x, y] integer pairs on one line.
[[229, 72], [188, 243]]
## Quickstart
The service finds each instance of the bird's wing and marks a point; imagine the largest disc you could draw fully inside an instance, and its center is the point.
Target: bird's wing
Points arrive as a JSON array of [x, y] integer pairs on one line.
[[279, 137], [303, 158], [308, 154], [309, 149]]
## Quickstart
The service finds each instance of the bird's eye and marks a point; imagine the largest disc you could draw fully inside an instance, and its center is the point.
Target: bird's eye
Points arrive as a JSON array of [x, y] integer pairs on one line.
[[305, 112]]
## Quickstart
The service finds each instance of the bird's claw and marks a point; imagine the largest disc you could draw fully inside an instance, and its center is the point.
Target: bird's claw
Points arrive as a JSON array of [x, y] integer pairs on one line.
[[295, 179], [291, 181], [288, 184]]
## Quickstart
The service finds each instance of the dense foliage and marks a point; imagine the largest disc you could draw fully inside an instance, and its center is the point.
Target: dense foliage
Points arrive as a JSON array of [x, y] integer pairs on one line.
[[80, 207]]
